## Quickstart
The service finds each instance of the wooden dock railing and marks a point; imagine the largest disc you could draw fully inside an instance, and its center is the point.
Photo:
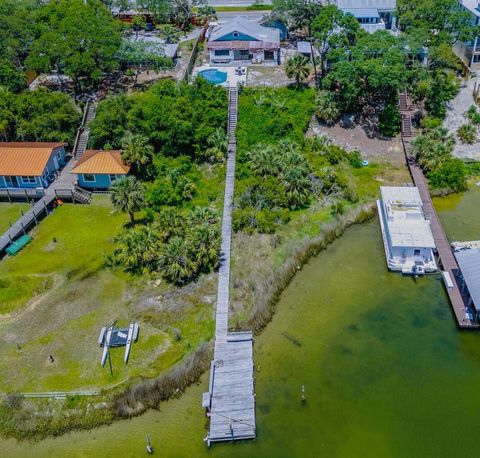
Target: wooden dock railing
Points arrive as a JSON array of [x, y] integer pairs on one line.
[[444, 250]]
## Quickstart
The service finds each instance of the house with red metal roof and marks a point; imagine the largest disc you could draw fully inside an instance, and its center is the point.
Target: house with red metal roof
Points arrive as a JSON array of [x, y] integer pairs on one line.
[[99, 169], [30, 164]]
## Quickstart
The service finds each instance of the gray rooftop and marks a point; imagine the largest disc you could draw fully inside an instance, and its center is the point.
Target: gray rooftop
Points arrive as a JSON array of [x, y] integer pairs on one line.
[[388, 5], [304, 47], [246, 27], [169, 50], [469, 263]]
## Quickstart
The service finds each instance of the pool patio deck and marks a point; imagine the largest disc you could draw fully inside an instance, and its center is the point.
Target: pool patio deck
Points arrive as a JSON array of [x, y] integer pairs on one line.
[[233, 79]]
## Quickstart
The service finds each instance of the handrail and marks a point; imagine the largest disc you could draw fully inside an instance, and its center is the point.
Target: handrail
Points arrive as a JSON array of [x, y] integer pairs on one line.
[[79, 130]]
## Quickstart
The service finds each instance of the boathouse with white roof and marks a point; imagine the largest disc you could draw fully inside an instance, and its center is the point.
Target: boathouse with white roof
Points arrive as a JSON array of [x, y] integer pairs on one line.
[[407, 235]]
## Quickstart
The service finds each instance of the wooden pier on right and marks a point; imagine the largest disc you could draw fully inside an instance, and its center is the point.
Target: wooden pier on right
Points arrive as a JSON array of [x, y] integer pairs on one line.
[[450, 269]]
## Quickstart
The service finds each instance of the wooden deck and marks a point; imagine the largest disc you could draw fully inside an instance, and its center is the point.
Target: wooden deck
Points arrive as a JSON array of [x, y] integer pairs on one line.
[[230, 401], [444, 249], [232, 411]]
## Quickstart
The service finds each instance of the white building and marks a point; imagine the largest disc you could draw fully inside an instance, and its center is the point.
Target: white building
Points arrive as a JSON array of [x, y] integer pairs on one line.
[[407, 236], [469, 52], [372, 15], [240, 41]]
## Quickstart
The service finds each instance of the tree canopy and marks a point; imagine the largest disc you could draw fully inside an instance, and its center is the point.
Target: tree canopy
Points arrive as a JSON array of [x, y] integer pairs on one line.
[[76, 37]]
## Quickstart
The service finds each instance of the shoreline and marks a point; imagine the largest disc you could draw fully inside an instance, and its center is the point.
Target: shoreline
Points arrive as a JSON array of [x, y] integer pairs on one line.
[[139, 397]]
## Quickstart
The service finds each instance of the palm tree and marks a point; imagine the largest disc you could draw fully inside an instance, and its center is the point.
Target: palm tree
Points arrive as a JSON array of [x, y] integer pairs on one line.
[[263, 160], [138, 249], [205, 245], [175, 260], [218, 145], [137, 152], [170, 34], [127, 196], [298, 187], [297, 67], [432, 147], [206, 14]]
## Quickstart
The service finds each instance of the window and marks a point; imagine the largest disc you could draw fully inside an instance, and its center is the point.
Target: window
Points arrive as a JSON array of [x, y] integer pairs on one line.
[[235, 34], [416, 252], [112, 178], [29, 180], [269, 55], [89, 177], [222, 52]]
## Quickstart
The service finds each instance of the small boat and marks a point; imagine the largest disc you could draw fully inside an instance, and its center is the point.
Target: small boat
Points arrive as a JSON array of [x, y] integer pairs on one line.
[[149, 445]]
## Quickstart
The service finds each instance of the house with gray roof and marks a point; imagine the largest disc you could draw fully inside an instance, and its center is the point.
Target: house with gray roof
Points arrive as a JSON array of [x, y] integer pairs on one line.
[[240, 41], [372, 15]]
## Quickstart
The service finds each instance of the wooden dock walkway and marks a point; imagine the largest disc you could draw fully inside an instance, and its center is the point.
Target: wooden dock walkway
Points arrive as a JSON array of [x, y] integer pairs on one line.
[[444, 249], [230, 401], [62, 188]]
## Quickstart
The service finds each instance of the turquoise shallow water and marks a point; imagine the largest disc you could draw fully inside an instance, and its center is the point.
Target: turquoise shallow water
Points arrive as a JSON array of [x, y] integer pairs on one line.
[[386, 372]]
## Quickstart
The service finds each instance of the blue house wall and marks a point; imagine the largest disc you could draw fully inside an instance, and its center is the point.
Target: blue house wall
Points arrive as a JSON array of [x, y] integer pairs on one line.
[[21, 185], [101, 181], [236, 36], [56, 161], [58, 153]]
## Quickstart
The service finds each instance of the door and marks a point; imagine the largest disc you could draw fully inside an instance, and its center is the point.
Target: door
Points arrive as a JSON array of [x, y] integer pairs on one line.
[[269, 55], [12, 182], [241, 54]]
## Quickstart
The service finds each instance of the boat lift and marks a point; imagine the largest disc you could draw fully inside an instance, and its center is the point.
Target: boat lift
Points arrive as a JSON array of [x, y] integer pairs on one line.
[[112, 337]]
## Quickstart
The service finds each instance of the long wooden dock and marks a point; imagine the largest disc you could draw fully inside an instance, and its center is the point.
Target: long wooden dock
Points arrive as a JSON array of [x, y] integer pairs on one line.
[[444, 250], [230, 400]]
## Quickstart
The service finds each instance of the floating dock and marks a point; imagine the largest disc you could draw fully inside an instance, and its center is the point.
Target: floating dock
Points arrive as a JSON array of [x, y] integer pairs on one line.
[[230, 400], [444, 250]]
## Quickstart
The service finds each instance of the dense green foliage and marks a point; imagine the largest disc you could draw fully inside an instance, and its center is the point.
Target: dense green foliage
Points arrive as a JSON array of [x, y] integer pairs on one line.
[[362, 73], [433, 22], [279, 171], [433, 150], [272, 114], [166, 133], [75, 37], [177, 118], [38, 115]]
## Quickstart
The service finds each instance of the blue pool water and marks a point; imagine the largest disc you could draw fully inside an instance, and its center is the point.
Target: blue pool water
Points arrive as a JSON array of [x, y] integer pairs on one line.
[[213, 75]]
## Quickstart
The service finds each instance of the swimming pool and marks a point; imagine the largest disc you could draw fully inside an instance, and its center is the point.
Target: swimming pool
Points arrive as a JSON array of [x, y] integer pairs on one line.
[[213, 75]]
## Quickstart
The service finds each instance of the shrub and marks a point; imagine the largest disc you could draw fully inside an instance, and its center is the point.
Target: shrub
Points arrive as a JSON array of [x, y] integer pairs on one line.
[[473, 115], [327, 109], [451, 174], [389, 121], [355, 158], [467, 134]]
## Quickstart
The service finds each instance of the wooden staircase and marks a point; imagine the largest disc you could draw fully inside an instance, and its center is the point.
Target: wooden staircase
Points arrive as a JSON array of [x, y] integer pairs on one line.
[[405, 108], [83, 133], [407, 126], [232, 113]]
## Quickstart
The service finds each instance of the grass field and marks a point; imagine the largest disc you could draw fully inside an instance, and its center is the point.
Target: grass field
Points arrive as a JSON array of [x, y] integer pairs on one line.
[[57, 293], [9, 213]]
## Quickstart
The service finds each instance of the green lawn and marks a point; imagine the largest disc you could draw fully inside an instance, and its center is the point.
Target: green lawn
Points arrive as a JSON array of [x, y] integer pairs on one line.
[[9, 213], [57, 293]]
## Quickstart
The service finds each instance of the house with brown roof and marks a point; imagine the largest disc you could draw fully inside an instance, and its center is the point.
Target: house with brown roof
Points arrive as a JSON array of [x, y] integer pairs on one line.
[[99, 169], [29, 164]]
